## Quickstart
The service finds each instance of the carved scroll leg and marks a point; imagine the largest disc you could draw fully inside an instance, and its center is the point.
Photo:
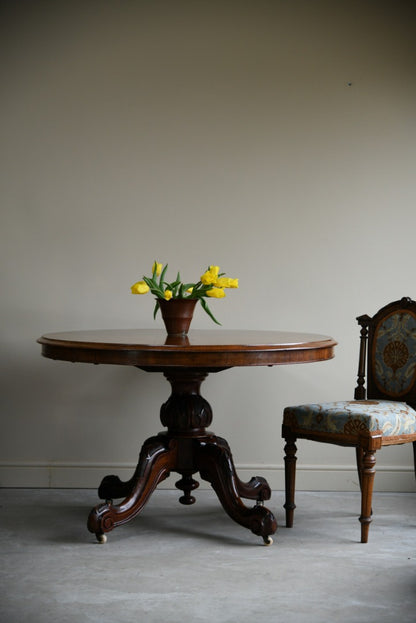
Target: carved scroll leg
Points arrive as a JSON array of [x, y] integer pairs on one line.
[[290, 479], [367, 481], [112, 487], [216, 466], [157, 459], [256, 489]]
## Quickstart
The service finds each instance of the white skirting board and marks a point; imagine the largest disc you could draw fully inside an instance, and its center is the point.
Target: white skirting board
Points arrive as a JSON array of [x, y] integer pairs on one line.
[[308, 477]]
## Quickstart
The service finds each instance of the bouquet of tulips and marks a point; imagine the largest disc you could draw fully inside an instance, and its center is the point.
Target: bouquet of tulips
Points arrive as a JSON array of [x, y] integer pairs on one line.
[[211, 284]]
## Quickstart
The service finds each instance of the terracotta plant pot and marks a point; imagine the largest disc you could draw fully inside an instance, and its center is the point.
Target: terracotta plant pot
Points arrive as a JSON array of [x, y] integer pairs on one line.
[[177, 315]]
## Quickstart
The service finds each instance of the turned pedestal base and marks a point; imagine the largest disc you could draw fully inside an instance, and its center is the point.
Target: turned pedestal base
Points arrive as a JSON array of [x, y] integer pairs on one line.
[[187, 447]]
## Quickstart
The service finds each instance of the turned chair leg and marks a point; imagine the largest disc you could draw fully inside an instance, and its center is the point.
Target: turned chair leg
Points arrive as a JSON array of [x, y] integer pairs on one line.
[[359, 453], [367, 481], [290, 478]]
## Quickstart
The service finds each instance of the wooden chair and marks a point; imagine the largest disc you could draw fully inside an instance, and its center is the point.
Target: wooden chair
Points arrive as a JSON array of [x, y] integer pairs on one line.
[[382, 415]]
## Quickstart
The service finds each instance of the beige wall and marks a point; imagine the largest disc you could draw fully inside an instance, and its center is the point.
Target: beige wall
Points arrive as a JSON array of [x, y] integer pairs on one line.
[[276, 139]]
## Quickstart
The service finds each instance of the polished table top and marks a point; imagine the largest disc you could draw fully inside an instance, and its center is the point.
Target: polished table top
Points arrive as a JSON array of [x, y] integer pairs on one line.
[[217, 348]]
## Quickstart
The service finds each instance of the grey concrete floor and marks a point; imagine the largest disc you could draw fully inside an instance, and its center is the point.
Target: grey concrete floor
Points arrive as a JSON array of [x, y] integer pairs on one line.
[[180, 564]]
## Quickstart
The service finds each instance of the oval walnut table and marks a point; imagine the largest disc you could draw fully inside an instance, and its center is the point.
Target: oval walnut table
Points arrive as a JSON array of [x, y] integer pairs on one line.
[[186, 447]]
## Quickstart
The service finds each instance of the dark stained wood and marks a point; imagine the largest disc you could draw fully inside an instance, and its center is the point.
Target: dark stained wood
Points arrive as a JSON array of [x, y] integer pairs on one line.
[[186, 447], [205, 349]]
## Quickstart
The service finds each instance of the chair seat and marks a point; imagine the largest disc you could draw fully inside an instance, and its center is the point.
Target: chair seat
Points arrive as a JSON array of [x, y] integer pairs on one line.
[[353, 416]]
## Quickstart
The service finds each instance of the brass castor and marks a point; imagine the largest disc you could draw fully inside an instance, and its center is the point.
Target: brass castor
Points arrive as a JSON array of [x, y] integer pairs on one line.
[[101, 538]]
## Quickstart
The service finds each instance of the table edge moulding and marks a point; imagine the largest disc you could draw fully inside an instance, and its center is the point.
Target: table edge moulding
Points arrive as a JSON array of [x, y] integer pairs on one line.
[[140, 347]]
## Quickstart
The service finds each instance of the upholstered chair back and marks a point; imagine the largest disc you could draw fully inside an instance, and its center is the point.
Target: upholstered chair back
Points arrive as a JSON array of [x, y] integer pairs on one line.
[[391, 354]]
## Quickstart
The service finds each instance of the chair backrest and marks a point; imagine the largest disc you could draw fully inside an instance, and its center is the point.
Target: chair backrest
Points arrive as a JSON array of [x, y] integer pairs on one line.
[[388, 354]]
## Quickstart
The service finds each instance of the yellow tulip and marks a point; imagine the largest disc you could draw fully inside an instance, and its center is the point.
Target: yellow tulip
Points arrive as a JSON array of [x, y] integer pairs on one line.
[[210, 276], [158, 268], [217, 293], [226, 282], [140, 288], [168, 295]]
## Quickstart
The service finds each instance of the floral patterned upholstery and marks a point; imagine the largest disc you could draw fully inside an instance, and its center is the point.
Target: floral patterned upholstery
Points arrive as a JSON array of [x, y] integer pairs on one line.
[[353, 417], [394, 360]]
